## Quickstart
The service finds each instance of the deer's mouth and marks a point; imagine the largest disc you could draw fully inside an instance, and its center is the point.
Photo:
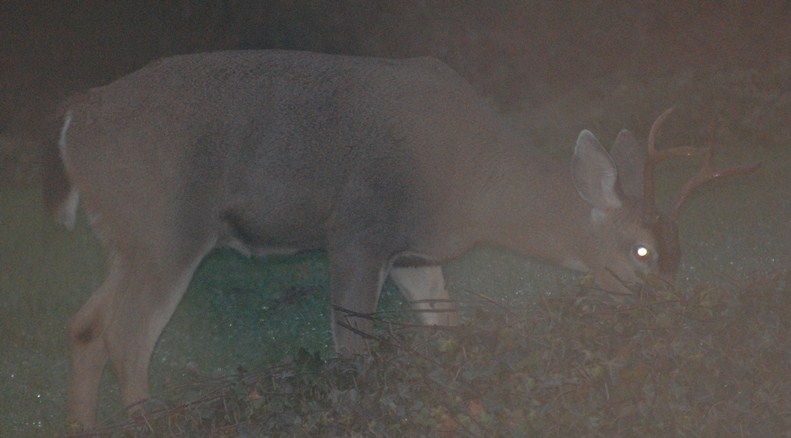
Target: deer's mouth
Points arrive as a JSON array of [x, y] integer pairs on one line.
[[618, 286]]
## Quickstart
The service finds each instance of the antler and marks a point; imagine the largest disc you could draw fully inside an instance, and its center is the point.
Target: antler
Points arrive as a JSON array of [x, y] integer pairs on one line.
[[708, 173], [651, 211]]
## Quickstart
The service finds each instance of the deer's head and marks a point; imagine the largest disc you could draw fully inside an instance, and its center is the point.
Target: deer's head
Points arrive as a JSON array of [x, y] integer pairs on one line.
[[620, 188]]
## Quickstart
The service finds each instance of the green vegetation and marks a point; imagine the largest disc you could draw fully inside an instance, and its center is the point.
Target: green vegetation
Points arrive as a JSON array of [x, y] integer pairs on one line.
[[712, 361]]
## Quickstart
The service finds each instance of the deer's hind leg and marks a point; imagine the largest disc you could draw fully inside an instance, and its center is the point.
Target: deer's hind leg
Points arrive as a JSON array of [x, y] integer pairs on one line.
[[88, 352], [424, 287], [122, 322]]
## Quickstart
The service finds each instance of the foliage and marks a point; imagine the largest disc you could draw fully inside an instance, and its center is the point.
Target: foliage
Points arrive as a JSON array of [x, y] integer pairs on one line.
[[710, 361]]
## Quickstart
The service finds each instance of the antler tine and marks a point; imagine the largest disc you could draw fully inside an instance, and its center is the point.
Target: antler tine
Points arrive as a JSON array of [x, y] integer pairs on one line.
[[654, 157], [708, 173]]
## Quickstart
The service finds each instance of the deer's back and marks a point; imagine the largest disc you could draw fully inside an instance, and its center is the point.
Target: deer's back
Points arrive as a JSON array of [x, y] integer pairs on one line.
[[279, 149]]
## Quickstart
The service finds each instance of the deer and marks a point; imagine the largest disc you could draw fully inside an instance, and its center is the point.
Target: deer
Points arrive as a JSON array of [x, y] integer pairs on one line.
[[392, 167]]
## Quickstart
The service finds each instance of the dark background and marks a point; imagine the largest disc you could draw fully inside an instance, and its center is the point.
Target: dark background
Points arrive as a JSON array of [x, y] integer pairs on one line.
[[516, 52]]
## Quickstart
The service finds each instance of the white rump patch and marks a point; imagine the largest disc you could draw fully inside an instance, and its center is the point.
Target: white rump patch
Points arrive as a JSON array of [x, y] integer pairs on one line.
[[62, 138], [67, 212], [598, 215]]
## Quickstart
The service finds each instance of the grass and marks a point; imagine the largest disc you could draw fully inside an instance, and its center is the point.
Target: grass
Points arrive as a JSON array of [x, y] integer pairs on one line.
[[710, 361]]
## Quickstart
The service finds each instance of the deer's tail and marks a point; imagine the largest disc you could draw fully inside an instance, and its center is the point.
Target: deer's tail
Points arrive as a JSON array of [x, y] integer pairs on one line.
[[60, 196]]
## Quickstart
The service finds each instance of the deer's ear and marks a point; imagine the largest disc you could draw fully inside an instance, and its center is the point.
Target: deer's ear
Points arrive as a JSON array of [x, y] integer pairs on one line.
[[594, 174], [629, 158]]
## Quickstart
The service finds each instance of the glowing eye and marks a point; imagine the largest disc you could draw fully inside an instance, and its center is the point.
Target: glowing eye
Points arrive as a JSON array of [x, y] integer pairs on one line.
[[641, 253]]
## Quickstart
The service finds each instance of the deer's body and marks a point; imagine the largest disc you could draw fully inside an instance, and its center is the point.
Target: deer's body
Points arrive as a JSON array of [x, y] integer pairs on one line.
[[306, 151], [390, 166]]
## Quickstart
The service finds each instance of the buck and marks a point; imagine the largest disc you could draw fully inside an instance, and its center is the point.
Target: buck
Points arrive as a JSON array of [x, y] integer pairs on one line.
[[391, 166]]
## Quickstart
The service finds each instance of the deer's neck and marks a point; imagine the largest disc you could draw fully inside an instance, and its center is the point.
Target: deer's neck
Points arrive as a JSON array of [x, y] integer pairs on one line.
[[533, 208]]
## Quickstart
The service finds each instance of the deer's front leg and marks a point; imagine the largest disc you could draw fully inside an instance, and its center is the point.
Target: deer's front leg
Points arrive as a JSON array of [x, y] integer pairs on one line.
[[357, 278]]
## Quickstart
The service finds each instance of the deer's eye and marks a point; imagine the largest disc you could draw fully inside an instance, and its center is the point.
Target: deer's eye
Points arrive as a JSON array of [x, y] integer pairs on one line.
[[641, 253]]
